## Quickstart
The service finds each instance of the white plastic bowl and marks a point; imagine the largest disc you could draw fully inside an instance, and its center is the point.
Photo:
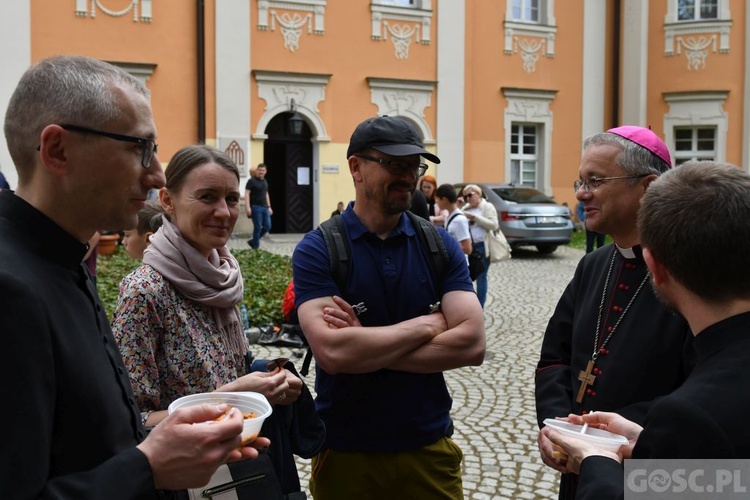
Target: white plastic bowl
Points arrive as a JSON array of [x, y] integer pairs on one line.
[[604, 439], [246, 402]]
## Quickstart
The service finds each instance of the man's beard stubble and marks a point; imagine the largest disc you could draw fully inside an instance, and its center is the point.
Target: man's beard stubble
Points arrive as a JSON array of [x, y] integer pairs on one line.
[[394, 204], [662, 297]]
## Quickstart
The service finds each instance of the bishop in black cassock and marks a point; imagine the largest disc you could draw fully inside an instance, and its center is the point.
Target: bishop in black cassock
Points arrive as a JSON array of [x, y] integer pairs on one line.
[[647, 355]]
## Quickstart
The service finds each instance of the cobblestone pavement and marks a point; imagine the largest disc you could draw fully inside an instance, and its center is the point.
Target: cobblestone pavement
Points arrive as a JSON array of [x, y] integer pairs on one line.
[[493, 404]]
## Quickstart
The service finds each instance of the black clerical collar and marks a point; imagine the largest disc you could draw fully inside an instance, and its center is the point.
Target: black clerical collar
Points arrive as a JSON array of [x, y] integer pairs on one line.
[[723, 333], [634, 252]]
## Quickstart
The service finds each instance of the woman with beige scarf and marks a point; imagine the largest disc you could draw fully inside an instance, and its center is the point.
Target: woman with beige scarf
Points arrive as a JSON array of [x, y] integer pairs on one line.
[[177, 321]]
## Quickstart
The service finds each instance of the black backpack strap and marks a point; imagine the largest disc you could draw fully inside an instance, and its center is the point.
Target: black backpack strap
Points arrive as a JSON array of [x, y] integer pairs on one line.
[[450, 219], [339, 254], [339, 257], [306, 363], [431, 241]]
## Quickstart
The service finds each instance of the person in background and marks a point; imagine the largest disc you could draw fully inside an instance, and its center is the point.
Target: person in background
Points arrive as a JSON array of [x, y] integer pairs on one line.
[[591, 235], [695, 213], [150, 220], [419, 206], [482, 217], [393, 354], [82, 137], [258, 205], [456, 222], [573, 217], [428, 186], [339, 209], [570, 212], [610, 344]]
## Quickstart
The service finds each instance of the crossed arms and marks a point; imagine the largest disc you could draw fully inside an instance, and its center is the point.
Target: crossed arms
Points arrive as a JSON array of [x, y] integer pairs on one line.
[[451, 338]]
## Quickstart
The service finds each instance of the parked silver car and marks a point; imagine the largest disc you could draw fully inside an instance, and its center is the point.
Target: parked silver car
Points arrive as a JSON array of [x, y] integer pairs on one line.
[[527, 216]]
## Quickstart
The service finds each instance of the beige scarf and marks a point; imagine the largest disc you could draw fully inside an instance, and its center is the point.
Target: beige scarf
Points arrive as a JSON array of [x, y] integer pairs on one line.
[[215, 282]]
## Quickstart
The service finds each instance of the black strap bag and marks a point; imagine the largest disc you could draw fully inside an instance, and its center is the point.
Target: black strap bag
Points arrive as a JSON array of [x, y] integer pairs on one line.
[[476, 259]]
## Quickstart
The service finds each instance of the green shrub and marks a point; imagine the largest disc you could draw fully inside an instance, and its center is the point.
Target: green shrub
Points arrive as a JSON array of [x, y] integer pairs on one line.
[[265, 274], [578, 240]]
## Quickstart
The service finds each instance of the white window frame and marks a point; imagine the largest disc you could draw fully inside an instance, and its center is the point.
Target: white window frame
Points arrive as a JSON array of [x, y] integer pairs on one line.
[[701, 109], [694, 153], [696, 14], [531, 107], [520, 161], [545, 28], [673, 28], [146, 16], [384, 11], [316, 11], [524, 7], [142, 71], [406, 4]]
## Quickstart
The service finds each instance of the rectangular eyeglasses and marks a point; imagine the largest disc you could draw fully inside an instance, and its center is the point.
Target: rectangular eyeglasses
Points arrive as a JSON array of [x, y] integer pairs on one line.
[[398, 167], [148, 146], [592, 183]]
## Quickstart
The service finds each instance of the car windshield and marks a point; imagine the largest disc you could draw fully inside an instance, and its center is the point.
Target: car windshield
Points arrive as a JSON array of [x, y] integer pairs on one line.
[[522, 195]]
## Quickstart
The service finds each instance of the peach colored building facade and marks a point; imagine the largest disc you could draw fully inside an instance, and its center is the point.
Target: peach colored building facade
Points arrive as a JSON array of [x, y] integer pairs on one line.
[[502, 91]]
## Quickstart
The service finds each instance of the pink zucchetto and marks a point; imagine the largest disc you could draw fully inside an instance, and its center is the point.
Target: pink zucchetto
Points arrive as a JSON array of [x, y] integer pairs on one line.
[[644, 138]]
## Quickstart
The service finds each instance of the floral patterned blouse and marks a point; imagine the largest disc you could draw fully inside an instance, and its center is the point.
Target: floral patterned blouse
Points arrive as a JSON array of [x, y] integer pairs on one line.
[[170, 344]]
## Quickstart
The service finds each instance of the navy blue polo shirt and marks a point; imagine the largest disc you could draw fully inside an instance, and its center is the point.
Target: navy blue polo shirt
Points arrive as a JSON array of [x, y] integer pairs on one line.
[[386, 410]]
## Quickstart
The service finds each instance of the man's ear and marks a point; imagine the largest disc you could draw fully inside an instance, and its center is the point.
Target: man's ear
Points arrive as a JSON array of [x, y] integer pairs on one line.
[[658, 271], [646, 181], [355, 164], [52, 149]]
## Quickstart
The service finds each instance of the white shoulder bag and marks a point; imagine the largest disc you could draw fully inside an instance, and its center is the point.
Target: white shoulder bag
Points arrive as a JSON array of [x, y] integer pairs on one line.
[[498, 246]]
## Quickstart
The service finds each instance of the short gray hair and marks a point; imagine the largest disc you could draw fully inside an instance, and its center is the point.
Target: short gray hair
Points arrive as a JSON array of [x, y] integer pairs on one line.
[[633, 158], [75, 90]]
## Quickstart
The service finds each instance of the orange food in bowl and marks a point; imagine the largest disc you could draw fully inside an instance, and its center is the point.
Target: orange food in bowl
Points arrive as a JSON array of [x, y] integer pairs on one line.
[[245, 416]]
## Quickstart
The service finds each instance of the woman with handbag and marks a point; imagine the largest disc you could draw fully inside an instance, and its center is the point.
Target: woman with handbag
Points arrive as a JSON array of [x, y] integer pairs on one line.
[[177, 320], [482, 219]]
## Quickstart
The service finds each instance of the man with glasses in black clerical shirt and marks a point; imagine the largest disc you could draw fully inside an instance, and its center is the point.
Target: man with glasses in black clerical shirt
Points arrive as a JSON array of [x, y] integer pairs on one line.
[[82, 138], [379, 381], [610, 344]]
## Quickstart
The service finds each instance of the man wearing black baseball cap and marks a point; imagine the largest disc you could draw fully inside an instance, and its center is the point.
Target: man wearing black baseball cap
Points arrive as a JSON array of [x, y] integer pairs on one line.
[[390, 135], [380, 387]]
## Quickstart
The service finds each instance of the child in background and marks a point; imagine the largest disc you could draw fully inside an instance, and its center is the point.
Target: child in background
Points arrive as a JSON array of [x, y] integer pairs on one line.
[[149, 221]]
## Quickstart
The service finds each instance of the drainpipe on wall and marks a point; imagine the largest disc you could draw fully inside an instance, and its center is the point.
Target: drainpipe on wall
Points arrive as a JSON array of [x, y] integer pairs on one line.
[[201, 73], [616, 64]]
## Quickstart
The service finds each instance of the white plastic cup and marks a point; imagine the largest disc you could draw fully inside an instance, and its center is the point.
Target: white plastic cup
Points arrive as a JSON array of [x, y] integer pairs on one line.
[[603, 439], [246, 402]]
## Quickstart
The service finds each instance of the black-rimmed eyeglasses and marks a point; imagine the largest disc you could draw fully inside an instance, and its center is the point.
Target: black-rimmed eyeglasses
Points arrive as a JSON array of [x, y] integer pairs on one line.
[[398, 167], [592, 183], [149, 147]]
